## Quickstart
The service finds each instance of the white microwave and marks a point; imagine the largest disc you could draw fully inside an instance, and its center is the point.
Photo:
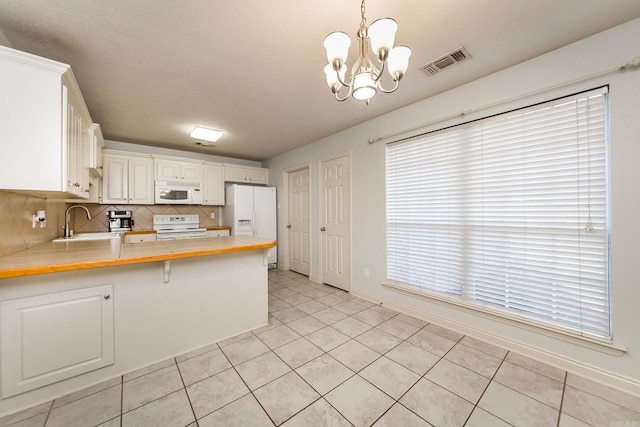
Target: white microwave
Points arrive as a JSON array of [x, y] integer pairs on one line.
[[178, 193]]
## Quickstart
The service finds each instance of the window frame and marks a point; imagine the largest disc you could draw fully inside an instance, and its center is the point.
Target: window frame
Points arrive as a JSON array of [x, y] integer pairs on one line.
[[527, 321]]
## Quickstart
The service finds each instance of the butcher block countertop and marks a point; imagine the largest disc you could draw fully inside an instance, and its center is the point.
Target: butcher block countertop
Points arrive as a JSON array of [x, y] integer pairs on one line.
[[53, 257]]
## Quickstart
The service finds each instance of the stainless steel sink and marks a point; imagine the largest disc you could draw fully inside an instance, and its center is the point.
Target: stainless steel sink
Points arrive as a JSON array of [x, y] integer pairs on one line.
[[80, 237]]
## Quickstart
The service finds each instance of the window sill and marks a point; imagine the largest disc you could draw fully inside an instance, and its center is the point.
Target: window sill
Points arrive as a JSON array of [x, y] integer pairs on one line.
[[593, 344]]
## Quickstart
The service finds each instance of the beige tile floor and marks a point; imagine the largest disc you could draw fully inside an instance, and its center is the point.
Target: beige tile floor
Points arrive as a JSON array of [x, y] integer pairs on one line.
[[329, 359]]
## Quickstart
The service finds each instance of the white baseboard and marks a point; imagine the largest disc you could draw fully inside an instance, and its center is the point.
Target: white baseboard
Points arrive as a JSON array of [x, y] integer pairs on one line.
[[593, 373]]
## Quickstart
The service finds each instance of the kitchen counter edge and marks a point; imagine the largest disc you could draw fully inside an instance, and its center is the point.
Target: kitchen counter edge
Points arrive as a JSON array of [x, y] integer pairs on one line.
[[239, 245]]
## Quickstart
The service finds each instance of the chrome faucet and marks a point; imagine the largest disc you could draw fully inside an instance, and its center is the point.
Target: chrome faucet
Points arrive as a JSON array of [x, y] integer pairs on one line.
[[67, 231]]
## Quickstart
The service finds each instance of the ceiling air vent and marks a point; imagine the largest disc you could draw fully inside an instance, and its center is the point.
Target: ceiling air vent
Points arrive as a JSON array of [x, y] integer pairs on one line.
[[205, 144], [445, 61]]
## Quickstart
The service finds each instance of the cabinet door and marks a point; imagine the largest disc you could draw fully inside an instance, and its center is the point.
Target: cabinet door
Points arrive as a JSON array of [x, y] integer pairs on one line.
[[95, 190], [167, 170], [213, 185], [191, 172], [115, 180], [246, 174], [141, 181], [96, 144], [83, 158], [234, 174], [70, 123], [77, 145], [48, 338], [257, 176]]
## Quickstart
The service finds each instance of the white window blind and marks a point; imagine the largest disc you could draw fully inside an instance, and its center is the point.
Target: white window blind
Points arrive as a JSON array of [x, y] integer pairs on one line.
[[508, 214]]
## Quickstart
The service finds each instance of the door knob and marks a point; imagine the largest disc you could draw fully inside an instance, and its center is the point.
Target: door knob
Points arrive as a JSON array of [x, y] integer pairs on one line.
[[322, 228], [289, 226]]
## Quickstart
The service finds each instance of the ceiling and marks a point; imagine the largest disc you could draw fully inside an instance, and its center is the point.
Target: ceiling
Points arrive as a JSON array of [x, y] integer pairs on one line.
[[150, 70]]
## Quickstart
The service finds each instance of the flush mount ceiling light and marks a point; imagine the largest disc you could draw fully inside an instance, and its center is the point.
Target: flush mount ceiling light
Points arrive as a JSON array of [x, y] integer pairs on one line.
[[206, 134], [365, 78]]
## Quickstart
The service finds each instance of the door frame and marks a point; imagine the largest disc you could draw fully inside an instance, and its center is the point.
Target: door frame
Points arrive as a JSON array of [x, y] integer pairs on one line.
[[285, 203], [320, 207]]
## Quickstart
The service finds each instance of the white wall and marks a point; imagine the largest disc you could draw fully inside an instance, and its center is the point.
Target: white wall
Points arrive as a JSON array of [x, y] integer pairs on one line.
[[3, 39], [556, 73]]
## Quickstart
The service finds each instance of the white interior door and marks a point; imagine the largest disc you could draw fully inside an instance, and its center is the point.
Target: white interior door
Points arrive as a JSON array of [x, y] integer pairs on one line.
[[335, 223], [298, 224]]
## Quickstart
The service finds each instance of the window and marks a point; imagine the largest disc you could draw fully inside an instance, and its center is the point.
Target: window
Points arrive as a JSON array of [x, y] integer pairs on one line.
[[508, 214]]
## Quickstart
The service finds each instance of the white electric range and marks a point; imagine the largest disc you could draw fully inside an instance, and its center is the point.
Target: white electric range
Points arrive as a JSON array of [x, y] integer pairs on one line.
[[174, 227]]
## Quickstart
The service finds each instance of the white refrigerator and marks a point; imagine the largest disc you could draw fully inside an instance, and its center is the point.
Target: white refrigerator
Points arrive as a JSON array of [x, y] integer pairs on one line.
[[251, 211]]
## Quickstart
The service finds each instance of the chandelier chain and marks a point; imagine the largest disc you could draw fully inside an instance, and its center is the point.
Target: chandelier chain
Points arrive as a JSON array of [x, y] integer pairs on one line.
[[363, 22]]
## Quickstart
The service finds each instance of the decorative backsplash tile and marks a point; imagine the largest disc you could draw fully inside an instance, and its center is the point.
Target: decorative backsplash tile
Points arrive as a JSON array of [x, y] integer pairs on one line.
[[16, 213], [142, 216], [17, 210]]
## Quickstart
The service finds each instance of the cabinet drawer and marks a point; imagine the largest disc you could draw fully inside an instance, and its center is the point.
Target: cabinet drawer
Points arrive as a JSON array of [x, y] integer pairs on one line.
[[140, 238]]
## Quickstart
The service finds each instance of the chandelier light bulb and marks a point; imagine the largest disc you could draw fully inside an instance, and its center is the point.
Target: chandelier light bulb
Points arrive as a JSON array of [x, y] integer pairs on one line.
[[337, 46], [364, 86], [398, 61], [382, 35], [332, 76]]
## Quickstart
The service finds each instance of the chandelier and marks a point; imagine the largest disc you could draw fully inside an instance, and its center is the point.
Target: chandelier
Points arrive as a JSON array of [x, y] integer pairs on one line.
[[365, 79]]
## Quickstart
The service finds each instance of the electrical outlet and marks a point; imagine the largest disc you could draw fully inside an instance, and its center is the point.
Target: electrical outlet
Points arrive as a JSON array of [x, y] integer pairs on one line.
[[213, 215], [366, 272]]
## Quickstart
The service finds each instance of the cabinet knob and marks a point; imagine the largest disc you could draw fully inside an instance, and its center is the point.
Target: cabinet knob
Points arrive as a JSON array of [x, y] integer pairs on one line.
[[288, 225], [322, 229], [107, 296]]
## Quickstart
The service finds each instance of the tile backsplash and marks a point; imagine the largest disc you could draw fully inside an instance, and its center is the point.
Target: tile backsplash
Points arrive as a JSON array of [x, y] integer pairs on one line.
[[17, 210], [16, 214], [142, 215]]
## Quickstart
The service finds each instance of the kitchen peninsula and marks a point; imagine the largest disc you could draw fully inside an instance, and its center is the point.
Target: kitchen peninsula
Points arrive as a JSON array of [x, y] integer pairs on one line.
[[74, 314]]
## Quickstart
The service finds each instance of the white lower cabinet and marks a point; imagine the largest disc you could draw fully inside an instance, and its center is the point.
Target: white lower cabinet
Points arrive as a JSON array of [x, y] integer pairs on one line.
[[48, 338]]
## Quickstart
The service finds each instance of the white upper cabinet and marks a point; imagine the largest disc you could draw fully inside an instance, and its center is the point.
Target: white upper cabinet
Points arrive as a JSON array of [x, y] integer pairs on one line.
[[177, 169], [96, 144], [77, 142], [213, 184], [44, 128], [127, 178], [245, 174]]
